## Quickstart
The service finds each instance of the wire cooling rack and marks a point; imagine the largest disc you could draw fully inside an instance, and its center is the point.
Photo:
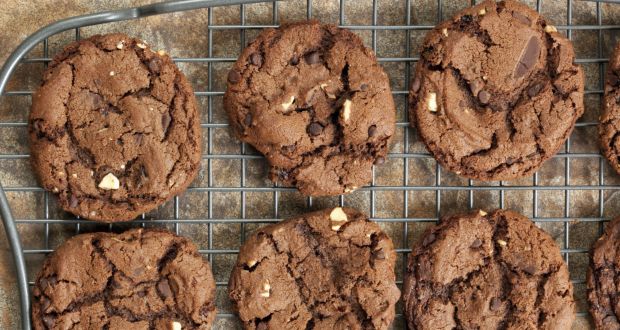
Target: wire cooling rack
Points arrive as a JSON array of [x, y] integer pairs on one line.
[[570, 197]]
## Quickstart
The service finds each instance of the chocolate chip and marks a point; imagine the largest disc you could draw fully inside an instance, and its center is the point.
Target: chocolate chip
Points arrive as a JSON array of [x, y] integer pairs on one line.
[[379, 254], [43, 283], [484, 97], [289, 149], [256, 59], [138, 271], [528, 59], [467, 18], [164, 288], [138, 137], [476, 86], [313, 58], [496, 303], [165, 121], [428, 239], [262, 326], [248, 120], [380, 161], [315, 129], [613, 79], [73, 201], [372, 130], [45, 303], [97, 101], [510, 161], [282, 174], [155, 64], [49, 321], [234, 76], [530, 269], [521, 18], [415, 87], [476, 243], [534, 90], [141, 294], [294, 60], [363, 87]]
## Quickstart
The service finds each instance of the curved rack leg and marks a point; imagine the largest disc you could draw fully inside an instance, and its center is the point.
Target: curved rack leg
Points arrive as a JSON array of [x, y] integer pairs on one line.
[[24, 48]]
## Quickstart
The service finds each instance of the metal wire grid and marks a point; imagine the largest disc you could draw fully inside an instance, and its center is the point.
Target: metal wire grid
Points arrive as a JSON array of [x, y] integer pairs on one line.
[[407, 155]]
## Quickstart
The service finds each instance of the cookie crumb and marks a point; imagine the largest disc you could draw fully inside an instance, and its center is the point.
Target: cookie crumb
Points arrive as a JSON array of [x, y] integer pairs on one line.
[[161, 52], [74, 175]]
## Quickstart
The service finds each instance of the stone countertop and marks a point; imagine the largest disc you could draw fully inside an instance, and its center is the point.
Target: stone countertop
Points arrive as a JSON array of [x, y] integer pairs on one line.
[[186, 35]]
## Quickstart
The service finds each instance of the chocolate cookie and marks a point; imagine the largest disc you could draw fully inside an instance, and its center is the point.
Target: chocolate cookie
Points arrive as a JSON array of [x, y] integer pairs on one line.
[[331, 269], [140, 279], [487, 271], [496, 91], [602, 279], [609, 127], [314, 101], [114, 129]]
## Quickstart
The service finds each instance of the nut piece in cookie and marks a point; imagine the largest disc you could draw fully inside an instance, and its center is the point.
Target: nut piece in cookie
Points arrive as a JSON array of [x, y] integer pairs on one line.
[[496, 91], [137, 279], [487, 271], [114, 129], [296, 272], [312, 99]]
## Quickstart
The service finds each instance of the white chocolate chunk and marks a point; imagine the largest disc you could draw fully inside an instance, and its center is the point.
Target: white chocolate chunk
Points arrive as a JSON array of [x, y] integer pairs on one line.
[[161, 52], [266, 291], [482, 11], [109, 182], [338, 218], [482, 213], [444, 31], [346, 110], [141, 45], [550, 28], [431, 102], [112, 73], [176, 325], [120, 45], [286, 105], [502, 242]]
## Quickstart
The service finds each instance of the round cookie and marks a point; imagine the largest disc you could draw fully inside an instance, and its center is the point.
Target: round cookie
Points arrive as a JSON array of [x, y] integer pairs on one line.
[[496, 91], [331, 269], [602, 278], [487, 271], [114, 128], [314, 101], [139, 279], [609, 126]]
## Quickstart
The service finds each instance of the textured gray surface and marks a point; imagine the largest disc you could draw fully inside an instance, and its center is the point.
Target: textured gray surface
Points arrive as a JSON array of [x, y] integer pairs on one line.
[[185, 35]]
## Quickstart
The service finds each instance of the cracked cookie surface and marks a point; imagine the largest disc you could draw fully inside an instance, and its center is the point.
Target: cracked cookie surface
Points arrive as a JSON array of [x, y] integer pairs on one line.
[[314, 101], [114, 128], [139, 279], [496, 91], [602, 279], [327, 269], [487, 271], [609, 128]]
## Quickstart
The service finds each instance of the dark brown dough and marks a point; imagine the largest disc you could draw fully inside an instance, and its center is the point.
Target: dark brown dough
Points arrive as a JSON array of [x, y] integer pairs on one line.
[[314, 101], [331, 269], [487, 271], [496, 91], [602, 279], [140, 279], [609, 127], [110, 105]]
